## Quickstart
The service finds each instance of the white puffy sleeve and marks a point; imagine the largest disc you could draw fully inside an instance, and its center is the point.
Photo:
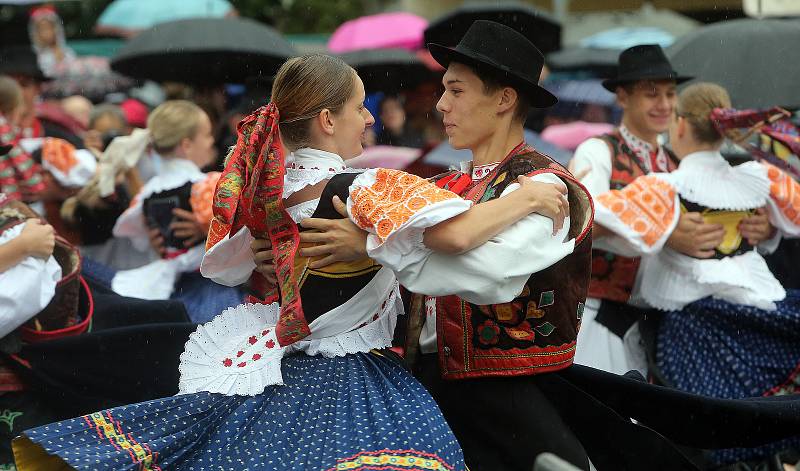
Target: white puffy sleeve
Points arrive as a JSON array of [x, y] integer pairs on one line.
[[593, 154], [27, 287], [491, 273]]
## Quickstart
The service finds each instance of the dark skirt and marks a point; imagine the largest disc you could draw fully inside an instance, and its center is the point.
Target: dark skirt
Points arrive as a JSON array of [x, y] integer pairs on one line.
[[718, 349]]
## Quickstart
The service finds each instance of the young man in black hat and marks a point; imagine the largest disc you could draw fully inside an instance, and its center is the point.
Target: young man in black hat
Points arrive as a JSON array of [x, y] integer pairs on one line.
[[645, 86], [481, 362]]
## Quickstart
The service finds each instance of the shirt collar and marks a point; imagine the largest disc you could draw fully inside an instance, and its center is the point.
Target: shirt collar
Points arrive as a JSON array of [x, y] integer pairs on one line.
[[703, 159], [315, 159], [634, 142], [480, 171], [645, 151]]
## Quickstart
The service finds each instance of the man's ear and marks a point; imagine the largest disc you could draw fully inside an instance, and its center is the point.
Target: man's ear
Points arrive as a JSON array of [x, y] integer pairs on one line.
[[622, 97], [507, 100], [326, 121]]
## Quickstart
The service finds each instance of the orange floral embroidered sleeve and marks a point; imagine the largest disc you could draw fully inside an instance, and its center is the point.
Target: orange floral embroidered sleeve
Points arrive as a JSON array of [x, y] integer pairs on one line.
[[644, 213], [784, 203], [383, 205], [202, 198], [59, 153]]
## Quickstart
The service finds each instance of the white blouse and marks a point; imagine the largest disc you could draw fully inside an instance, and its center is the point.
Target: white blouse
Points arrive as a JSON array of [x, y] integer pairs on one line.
[[643, 216]]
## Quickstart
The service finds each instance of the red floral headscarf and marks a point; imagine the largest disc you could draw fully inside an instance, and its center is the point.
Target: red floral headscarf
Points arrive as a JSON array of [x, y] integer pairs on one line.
[[250, 194]]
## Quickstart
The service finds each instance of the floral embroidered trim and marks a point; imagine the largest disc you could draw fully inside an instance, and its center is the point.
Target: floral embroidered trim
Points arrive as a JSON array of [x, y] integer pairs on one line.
[[59, 153], [202, 198], [392, 200], [481, 171], [646, 206], [112, 431], [392, 460], [785, 191]]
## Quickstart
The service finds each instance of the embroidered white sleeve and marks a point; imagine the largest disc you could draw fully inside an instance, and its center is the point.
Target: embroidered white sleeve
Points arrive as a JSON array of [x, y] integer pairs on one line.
[[595, 155], [496, 271]]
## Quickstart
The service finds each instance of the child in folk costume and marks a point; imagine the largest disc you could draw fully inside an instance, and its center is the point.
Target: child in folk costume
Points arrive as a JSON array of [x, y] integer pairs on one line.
[[20, 175], [297, 386], [729, 326], [171, 213]]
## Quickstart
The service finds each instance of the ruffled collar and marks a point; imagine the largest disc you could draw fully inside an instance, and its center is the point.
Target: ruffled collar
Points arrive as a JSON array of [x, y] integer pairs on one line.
[[707, 179], [315, 159], [309, 166]]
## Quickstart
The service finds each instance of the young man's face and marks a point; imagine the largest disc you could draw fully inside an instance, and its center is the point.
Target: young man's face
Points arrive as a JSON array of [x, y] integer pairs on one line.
[[648, 105], [468, 113]]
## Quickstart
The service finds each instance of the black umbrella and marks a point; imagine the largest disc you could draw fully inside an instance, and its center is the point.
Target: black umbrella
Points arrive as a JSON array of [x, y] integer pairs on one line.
[[204, 51], [540, 27], [602, 62], [757, 61], [388, 70]]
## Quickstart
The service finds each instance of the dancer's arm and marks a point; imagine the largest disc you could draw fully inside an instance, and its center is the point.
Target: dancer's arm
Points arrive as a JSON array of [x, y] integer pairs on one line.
[[342, 240], [484, 221], [35, 240]]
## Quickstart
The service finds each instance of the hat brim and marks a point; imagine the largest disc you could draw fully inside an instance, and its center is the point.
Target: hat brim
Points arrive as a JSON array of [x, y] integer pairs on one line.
[[539, 97], [612, 84]]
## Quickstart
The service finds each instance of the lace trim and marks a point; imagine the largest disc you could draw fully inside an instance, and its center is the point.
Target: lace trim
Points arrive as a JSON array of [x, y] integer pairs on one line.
[[296, 179], [303, 210], [237, 353]]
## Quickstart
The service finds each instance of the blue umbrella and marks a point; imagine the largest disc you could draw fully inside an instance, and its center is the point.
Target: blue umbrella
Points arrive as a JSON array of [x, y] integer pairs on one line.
[[124, 17]]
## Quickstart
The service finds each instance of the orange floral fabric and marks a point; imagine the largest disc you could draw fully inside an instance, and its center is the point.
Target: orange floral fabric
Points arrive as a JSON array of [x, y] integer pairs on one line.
[[392, 200], [785, 191], [59, 153], [202, 198], [646, 205]]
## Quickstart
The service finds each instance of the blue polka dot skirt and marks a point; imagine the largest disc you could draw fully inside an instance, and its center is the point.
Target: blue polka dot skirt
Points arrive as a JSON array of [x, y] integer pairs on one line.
[[357, 412], [730, 351]]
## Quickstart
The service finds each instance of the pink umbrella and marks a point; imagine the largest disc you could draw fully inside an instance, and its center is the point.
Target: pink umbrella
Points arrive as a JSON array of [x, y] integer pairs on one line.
[[570, 135], [386, 30]]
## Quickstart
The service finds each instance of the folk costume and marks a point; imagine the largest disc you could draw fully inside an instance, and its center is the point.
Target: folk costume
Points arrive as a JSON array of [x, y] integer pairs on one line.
[[298, 386], [728, 323], [61, 337], [609, 338], [178, 183]]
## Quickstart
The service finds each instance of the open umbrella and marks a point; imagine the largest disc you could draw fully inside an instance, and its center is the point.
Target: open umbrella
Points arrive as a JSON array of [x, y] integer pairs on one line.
[[578, 27], [601, 62], [386, 30], [540, 27], [388, 70], [204, 51], [128, 17], [757, 61]]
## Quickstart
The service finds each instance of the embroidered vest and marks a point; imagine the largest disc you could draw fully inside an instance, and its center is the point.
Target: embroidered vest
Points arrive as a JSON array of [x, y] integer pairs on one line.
[[613, 275], [536, 331]]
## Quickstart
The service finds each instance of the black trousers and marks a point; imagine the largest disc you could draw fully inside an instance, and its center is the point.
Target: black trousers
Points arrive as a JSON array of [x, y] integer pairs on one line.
[[502, 424]]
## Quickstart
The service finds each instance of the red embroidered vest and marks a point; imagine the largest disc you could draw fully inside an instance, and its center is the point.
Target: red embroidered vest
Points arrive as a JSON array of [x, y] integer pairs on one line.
[[613, 275], [535, 332]]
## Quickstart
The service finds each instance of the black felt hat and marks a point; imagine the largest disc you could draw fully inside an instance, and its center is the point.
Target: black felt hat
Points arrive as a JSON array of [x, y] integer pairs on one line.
[[495, 47], [643, 62]]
